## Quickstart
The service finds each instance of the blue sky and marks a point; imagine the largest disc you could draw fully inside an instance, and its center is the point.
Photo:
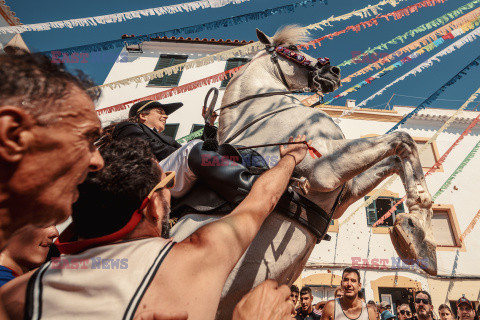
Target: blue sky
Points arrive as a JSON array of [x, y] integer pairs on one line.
[[338, 49]]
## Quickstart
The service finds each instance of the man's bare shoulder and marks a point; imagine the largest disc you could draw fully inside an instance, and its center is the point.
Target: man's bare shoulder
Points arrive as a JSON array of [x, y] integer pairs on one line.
[[328, 310], [13, 296]]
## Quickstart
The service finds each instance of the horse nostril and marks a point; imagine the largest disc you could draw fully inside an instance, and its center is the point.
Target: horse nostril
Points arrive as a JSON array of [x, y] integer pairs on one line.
[[335, 70]]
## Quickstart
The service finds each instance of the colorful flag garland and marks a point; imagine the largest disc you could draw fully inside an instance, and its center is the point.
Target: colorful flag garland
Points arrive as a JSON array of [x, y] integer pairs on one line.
[[397, 14], [411, 57], [411, 33], [431, 37], [227, 22], [173, 91], [120, 17], [244, 50]]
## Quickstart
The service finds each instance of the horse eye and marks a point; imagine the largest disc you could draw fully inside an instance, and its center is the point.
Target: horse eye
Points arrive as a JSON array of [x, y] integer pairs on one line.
[[292, 47]]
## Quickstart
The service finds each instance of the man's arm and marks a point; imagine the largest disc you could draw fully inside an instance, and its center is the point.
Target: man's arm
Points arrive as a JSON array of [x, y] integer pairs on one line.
[[160, 149], [329, 311], [225, 240]]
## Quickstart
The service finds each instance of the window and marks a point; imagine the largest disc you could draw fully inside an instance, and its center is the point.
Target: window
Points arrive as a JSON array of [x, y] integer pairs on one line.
[[445, 226], [197, 127], [171, 129], [166, 61], [233, 63], [381, 206], [428, 157], [322, 293]]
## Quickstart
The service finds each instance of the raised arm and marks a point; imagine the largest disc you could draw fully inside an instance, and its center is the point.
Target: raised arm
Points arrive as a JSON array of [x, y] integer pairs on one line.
[[226, 239]]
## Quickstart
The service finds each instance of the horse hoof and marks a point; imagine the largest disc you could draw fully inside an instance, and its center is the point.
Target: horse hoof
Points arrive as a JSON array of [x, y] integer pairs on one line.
[[408, 238]]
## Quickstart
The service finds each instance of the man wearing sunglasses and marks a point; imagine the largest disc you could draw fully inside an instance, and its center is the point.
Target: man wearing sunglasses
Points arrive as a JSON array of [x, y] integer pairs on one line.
[[423, 305], [120, 266]]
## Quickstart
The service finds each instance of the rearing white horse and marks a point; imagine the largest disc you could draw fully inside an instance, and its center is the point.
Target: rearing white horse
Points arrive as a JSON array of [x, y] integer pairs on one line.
[[282, 247]]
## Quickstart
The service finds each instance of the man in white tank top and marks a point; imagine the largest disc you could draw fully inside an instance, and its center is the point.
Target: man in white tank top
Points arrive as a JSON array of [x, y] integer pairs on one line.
[[120, 267], [350, 306]]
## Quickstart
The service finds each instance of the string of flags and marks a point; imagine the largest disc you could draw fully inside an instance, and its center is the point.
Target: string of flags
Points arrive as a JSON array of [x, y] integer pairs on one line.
[[427, 48], [120, 17]]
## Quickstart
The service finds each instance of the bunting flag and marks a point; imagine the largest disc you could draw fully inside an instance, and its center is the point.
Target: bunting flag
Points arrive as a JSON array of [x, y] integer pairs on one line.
[[392, 179], [231, 21], [428, 63], [411, 33], [472, 223], [464, 21], [173, 91], [120, 17], [413, 56], [398, 14], [434, 168], [457, 171], [244, 50]]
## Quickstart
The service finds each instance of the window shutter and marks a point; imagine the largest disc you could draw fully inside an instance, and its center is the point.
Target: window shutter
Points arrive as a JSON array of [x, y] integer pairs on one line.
[[166, 61], [233, 63], [371, 212]]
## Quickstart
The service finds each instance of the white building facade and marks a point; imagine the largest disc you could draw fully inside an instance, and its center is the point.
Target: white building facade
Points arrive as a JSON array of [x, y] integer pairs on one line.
[[355, 242]]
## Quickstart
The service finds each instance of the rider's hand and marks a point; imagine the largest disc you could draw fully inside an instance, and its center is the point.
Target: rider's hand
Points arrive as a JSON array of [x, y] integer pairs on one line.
[[267, 301], [297, 151], [213, 117]]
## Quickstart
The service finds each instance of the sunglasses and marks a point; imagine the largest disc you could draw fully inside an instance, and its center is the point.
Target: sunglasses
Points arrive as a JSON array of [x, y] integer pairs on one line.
[[405, 312], [167, 182], [425, 301]]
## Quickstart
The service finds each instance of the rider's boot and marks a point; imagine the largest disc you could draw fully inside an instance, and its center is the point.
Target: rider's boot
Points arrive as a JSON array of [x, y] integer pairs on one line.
[[229, 179]]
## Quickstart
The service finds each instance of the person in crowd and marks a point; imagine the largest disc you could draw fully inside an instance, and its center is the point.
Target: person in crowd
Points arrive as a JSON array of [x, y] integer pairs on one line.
[[294, 294], [423, 305], [319, 307], [465, 309], [350, 306], [338, 293], [305, 312], [147, 121], [385, 313], [372, 305], [445, 312], [119, 219], [48, 127], [361, 296], [26, 250], [404, 312]]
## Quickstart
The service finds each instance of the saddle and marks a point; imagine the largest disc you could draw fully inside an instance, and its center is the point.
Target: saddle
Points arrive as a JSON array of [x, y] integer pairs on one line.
[[202, 199]]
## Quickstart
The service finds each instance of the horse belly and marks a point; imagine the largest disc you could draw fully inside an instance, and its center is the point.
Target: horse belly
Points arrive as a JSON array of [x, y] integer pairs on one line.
[[279, 251]]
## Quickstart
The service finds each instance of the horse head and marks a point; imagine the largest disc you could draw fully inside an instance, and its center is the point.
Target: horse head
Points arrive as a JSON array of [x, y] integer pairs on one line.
[[296, 69]]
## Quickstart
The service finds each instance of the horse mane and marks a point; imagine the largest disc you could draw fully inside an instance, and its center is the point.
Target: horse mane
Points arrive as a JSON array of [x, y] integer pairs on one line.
[[290, 35]]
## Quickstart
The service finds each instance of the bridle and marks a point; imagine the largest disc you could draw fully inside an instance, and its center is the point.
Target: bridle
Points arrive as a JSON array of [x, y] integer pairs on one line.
[[298, 58]]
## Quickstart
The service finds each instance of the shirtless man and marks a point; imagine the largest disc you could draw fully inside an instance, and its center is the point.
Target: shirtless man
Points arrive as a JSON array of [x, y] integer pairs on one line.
[[350, 306], [119, 218]]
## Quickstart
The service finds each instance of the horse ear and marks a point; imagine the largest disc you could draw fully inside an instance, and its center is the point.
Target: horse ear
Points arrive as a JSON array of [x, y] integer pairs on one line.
[[263, 37]]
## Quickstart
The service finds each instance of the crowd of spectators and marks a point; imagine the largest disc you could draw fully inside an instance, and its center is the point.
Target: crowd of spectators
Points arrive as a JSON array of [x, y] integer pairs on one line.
[[422, 307]]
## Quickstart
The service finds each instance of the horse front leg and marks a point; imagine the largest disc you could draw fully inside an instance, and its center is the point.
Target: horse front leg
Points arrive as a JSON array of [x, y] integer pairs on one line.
[[412, 235], [366, 181]]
